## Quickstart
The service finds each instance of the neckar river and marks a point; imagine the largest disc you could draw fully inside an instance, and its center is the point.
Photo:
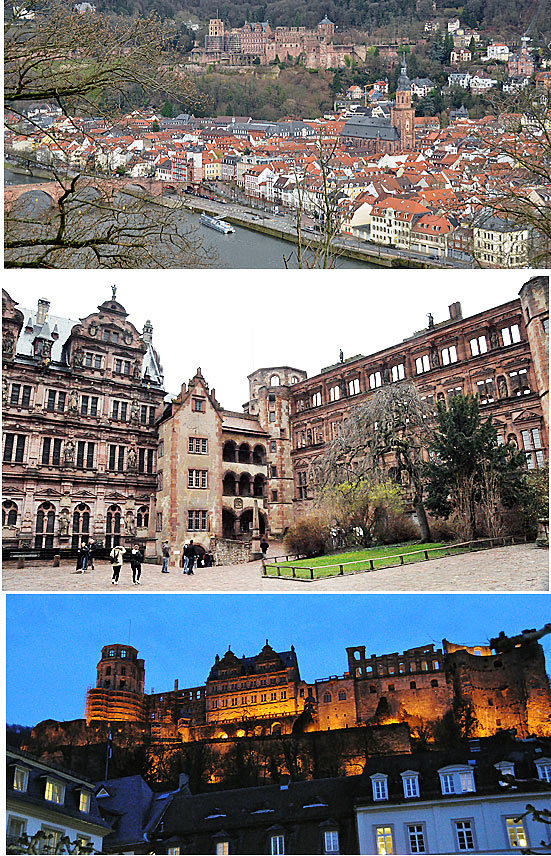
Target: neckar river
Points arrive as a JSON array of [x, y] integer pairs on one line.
[[242, 249]]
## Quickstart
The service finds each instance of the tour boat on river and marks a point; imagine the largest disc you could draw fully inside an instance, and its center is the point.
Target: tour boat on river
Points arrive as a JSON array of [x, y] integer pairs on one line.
[[214, 223]]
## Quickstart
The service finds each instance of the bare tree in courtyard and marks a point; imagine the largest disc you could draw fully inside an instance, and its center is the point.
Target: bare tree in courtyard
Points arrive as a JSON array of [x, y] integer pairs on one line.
[[91, 67], [381, 440]]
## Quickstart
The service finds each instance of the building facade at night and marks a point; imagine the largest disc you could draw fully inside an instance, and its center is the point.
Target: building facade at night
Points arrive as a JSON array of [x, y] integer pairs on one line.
[[265, 694], [92, 450]]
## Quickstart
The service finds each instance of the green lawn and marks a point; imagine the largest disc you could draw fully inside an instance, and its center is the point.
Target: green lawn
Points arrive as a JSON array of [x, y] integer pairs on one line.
[[359, 560]]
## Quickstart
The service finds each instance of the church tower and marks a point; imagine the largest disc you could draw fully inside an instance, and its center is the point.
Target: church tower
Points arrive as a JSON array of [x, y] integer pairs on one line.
[[402, 113]]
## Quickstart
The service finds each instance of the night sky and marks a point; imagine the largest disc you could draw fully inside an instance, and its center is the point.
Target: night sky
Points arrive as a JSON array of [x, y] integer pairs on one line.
[[54, 641]]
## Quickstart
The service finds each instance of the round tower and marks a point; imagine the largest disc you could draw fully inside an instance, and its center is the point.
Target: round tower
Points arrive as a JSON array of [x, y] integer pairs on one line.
[[119, 690], [269, 390]]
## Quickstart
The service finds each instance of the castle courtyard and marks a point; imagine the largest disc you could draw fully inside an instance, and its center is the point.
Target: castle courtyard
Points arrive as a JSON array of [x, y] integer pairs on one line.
[[521, 568]]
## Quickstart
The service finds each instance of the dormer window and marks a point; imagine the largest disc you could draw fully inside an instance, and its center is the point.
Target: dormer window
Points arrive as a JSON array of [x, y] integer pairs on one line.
[[55, 791], [20, 779], [506, 768], [123, 653], [379, 783], [543, 766], [111, 652], [457, 780], [85, 801], [410, 781]]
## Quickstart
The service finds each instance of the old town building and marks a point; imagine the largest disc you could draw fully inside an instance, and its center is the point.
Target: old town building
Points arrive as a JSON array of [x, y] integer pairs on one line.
[[265, 694], [80, 404]]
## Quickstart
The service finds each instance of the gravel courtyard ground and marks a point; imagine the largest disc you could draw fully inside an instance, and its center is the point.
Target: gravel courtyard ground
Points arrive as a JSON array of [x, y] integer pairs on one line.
[[523, 567]]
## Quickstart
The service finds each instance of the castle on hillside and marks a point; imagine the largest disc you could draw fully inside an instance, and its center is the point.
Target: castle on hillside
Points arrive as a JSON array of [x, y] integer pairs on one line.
[[259, 42], [93, 451], [264, 695]]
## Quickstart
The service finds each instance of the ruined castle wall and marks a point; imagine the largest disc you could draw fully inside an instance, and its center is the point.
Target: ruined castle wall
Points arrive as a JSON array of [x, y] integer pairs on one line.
[[507, 690], [415, 697], [336, 703]]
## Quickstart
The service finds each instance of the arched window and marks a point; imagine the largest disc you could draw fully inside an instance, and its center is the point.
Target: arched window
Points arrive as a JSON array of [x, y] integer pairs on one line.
[[45, 523], [342, 695], [294, 379], [113, 526], [274, 380], [81, 525], [142, 517], [244, 454], [9, 513], [228, 485], [334, 393], [228, 452], [327, 698], [244, 484], [258, 485], [259, 455]]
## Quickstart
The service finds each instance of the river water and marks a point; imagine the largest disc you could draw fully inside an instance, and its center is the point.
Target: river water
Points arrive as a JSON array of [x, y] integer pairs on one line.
[[242, 249]]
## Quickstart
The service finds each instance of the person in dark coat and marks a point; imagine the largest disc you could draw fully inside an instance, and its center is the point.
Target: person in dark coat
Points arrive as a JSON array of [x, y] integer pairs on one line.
[[90, 556], [189, 554], [264, 546], [81, 558], [136, 560]]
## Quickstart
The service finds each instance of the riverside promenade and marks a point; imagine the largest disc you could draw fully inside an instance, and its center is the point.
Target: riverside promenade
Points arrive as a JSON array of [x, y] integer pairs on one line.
[[520, 568]]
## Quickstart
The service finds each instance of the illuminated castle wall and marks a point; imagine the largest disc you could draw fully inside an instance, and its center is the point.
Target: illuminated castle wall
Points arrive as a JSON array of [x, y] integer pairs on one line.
[[265, 695]]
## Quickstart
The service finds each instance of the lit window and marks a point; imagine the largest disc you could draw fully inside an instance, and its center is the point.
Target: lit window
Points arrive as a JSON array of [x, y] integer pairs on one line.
[[411, 785], [111, 652], [383, 835], [398, 372], [478, 346], [422, 364], [510, 335], [379, 783], [331, 842], [416, 838], [277, 845], [84, 803], [55, 791], [516, 833], [20, 779], [173, 851], [457, 780], [222, 848], [449, 355], [123, 653], [464, 832]]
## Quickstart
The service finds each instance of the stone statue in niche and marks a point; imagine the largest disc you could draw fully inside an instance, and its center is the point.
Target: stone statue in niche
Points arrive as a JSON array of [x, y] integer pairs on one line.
[[73, 401], [130, 524], [434, 357], [64, 523], [493, 337], [502, 387], [136, 370], [386, 374], [131, 460], [8, 343], [69, 453], [78, 358], [4, 390], [135, 412]]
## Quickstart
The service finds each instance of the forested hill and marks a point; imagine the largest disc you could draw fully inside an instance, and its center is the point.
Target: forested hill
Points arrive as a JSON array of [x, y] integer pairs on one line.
[[494, 15]]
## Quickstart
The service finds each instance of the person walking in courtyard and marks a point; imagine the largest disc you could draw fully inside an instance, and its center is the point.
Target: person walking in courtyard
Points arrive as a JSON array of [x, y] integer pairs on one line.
[[189, 554], [136, 560], [116, 555], [90, 555], [165, 551], [264, 546], [81, 558]]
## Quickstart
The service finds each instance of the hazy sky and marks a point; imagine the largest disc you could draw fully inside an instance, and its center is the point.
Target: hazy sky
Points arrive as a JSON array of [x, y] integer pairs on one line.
[[54, 641], [232, 322]]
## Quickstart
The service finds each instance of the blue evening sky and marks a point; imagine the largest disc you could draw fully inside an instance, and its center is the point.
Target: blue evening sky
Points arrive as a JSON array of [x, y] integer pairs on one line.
[[54, 641]]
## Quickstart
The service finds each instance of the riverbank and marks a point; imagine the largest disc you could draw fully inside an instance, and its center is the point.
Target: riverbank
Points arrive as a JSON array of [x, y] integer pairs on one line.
[[269, 225]]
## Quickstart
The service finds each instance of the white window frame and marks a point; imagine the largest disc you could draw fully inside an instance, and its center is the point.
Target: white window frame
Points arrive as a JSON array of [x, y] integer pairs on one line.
[[25, 779], [386, 837], [516, 833], [51, 788], [543, 766], [464, 827], [418, 831], [85, 801], [461, 778], [331, 841], [277, 845], [379, 784], [410, 782]]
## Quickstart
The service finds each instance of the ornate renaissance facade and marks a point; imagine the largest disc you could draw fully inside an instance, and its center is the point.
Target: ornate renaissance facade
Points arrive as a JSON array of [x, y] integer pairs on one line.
[[80, 404]]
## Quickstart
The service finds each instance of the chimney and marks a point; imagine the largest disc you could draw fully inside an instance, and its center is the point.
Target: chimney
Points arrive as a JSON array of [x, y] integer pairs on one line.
[[147, 332], [456, 313], [42, 313], [176, 685]]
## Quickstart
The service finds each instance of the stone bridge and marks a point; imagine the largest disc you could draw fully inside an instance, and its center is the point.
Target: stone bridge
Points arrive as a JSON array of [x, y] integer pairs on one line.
[[107, 186]]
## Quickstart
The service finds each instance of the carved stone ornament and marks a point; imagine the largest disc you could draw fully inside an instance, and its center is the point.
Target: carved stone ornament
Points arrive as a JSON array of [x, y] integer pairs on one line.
[[131, 460], [93, 329], [238, 503], [73, 401], [8, 344], [78, 358], [69, 453], [127, 337]]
